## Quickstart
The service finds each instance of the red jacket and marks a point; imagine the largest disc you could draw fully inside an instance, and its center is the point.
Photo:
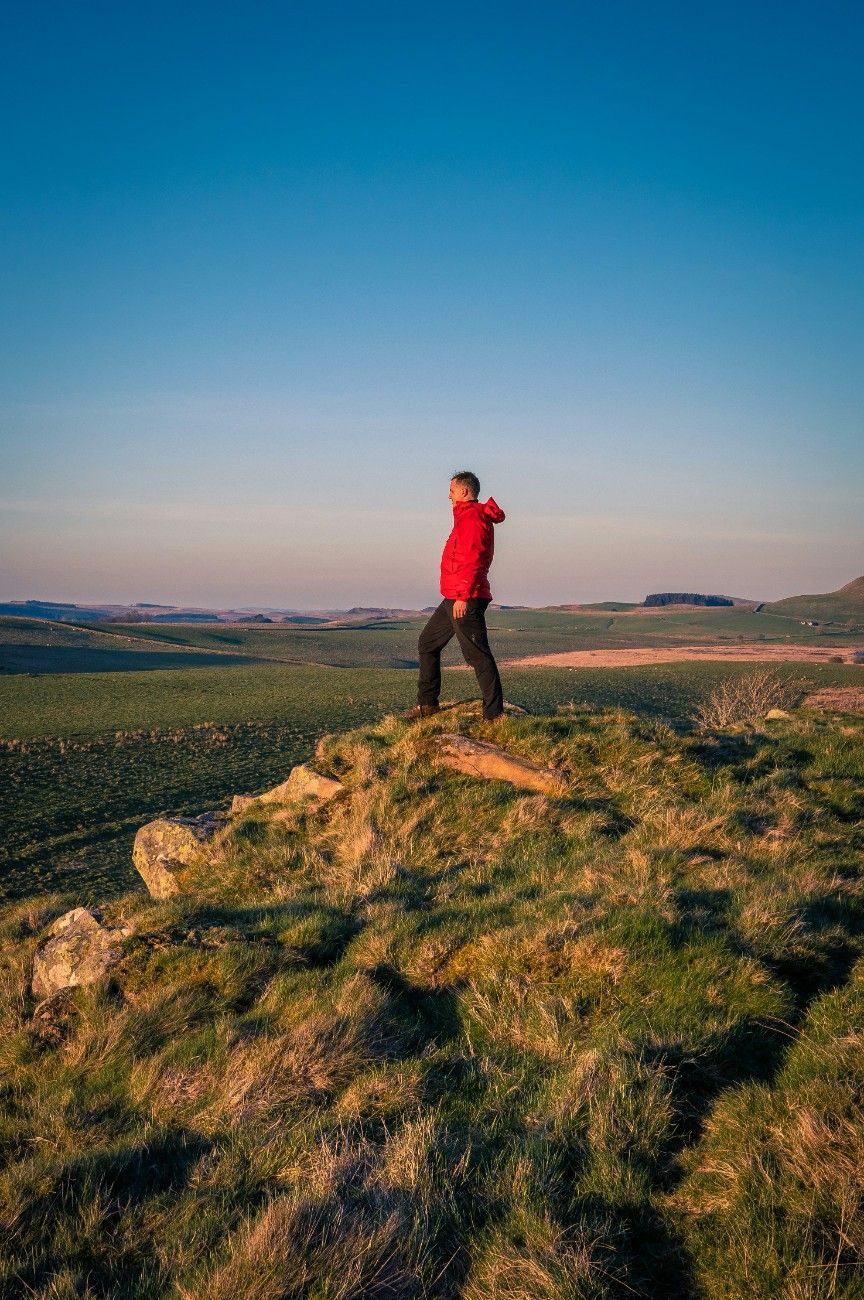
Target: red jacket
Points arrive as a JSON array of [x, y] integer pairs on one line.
[[468, 550]]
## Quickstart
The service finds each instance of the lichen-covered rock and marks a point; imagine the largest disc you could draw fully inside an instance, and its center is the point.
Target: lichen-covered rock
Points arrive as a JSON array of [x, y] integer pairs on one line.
[[303, 782], [78, 949], [163, 848], [481, 759]]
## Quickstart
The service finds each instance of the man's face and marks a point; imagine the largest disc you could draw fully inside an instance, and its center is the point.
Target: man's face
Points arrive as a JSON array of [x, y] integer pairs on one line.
[[460, 492]]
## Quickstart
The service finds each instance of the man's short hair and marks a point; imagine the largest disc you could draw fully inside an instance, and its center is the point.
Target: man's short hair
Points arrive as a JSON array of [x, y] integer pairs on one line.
[[469, 480]]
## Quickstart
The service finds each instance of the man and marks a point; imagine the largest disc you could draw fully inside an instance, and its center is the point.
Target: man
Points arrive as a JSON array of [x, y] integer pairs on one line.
[[465, 588]]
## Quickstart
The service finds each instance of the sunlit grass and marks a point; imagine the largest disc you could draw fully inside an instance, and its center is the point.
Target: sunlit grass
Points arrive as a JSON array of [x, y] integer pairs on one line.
[[443, 1038]]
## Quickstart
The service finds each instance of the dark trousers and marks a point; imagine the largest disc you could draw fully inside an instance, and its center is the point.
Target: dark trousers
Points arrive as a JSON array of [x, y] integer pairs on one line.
[[474, 644]]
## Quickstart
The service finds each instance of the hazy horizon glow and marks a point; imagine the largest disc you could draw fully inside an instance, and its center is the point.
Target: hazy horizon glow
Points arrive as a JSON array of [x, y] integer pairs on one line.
[[271, 276]]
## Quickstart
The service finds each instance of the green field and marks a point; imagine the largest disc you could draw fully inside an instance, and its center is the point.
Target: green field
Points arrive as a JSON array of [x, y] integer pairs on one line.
[[35, 646]]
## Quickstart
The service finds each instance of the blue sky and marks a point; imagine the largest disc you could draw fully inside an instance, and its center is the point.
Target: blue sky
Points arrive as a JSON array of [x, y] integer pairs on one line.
[[272, 272]]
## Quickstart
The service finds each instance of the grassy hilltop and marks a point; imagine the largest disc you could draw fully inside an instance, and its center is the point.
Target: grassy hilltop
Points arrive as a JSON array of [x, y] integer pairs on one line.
[[843, 606], [87, 757], [445, 1039]]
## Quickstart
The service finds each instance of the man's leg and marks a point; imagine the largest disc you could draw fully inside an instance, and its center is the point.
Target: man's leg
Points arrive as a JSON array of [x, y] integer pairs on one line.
[[435, 635], [474, 644]]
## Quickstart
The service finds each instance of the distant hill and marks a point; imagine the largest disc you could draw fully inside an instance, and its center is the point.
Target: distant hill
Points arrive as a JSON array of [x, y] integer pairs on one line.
[[186, 616], [597, 606], [842, 606], [684, 598], [52, 609]]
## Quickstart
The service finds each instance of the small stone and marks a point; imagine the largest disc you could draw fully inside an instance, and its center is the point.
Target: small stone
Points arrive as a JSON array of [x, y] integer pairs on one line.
[[78, 949], [479, 758], [164, 847]]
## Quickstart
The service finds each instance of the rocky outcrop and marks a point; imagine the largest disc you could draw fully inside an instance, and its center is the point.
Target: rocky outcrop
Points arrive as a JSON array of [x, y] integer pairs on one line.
[[78, 949], [163, 848], [303, 783], [684, 598], [479, 758]]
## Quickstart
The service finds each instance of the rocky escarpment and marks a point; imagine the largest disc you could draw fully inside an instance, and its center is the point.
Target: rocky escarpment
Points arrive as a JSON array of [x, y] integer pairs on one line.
[[684, 598]]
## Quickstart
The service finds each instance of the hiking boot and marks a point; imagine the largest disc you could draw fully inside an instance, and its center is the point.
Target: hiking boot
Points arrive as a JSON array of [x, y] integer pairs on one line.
[[421, 711]]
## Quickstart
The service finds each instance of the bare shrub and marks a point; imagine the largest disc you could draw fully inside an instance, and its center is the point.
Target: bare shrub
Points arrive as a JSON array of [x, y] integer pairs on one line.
[[746, 699]]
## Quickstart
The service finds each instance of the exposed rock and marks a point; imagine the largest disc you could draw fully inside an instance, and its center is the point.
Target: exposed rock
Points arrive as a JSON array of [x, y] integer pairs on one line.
[[241, 802], [303, 782], [478, 758], [79, 949], [773, 714], [476, 707], [164, 847]]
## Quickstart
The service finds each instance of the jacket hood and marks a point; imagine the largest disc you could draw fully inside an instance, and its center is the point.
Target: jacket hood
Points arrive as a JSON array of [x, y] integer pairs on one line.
[[490, 509]]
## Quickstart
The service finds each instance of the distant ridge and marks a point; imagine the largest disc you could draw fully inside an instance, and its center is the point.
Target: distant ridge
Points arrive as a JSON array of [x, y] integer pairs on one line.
[[684, 598], [841, 606]]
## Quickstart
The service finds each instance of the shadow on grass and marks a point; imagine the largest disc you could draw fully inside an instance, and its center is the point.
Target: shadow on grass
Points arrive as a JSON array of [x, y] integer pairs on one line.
[[754, 1050], [336, 931], [420, 1017], [115, 1179], [650, 1258]]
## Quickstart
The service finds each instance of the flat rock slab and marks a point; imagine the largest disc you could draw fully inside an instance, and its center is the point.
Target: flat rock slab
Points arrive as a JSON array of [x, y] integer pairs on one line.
[[303, 783], [78, 949], [481, 759], [163, 848], [474, 707]]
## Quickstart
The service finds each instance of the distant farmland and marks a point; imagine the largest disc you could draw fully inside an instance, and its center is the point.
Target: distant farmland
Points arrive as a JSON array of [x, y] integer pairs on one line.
[[37, 646]]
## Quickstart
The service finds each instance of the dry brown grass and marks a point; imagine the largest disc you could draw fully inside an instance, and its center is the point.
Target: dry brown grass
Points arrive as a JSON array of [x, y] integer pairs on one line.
[[746, 699]]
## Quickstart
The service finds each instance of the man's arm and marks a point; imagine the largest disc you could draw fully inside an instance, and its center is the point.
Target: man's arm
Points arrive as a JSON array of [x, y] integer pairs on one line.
[[470, 548]]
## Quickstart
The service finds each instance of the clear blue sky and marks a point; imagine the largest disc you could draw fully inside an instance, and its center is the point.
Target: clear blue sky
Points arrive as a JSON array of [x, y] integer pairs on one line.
[[272, 272]]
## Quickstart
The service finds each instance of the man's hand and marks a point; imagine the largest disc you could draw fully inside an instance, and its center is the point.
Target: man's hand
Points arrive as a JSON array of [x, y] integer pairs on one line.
[[460, 608]]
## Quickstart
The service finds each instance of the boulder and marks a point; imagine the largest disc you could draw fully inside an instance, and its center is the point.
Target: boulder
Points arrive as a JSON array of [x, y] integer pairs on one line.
[[78, 949], [303, 782], [479, 758], [164, 847]]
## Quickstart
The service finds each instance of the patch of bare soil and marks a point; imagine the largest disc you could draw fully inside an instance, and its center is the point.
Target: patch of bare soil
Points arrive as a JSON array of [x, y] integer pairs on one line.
[[740, 653], [843, 699]]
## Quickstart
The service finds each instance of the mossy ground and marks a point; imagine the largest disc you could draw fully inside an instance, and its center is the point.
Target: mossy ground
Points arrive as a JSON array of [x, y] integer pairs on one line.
[[445, 1038]]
